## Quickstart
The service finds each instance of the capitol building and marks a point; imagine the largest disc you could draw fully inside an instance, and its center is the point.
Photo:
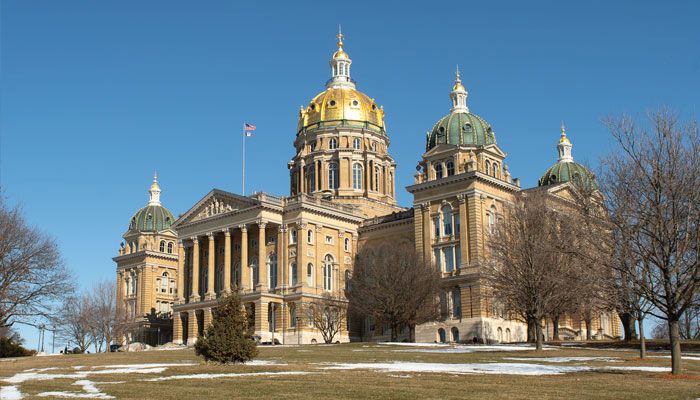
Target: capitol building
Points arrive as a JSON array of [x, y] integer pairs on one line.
[[284, 252]]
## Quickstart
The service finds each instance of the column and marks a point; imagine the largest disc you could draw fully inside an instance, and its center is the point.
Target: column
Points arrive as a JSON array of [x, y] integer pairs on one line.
[[262, 256], [207, 319], [301, 253], [245, 274], [192, 328], [195, 270], [463, 229], [211, 274], [281, 257], [177, 328], [180, 273], [227, 260], [141, 292], [427, 248]]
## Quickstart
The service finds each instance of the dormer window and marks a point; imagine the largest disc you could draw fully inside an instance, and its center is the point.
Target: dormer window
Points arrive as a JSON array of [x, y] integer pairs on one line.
[[356, 144]]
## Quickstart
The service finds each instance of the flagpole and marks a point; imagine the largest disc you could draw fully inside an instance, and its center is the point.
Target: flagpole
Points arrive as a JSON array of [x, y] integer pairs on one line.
[[243, 169]]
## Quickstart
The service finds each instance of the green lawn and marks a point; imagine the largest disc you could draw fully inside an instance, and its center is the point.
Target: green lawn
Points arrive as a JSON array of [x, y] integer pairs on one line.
[[308, 375]]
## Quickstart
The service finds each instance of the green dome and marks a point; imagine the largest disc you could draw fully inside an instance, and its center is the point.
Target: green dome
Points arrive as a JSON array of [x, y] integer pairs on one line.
[[151, 218], [567, 171], [461, 128]]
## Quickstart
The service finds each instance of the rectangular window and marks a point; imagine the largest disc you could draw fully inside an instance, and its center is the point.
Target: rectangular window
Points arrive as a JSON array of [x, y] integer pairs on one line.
[[329, 239], [438, 264], [449, 258], [457, 224], [436, 226], [448, 225], [458, 256]]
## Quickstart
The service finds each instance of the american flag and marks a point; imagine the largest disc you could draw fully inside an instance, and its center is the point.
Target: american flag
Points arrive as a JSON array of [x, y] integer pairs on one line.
[[248, 129]]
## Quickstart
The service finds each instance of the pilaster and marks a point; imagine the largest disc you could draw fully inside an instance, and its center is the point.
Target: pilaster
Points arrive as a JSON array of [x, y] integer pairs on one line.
[[194, 296], [227, 260], [211, 270]]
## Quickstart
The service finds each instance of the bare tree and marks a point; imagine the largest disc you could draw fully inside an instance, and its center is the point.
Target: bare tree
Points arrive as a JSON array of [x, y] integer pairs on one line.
[[102, 317], [32, 275], [529, 273], [328, 314], [73, 323], [652, 190], [396, 285]]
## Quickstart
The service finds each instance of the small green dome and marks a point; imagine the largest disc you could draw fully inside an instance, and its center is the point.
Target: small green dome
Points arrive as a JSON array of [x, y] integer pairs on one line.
[[567, 171], [461, 128], [152, 218]]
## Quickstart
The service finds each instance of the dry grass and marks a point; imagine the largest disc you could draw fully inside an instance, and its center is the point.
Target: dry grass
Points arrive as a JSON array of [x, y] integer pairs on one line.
[[353, 384]]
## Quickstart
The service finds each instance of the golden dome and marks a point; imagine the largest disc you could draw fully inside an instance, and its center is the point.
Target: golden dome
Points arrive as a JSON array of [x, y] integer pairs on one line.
[[342, 106]]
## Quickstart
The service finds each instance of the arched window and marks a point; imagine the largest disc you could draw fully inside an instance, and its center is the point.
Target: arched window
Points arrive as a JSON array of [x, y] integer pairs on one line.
[[309, 236], [495, 169], [455, 334], [170, 247], [293, 236], [292, 315], [293, 274], [272, 270], [357, 176], [164, 281], [310, 275], [447, 219], [500, 334], [312, 178], [134, 283], [438, 171], [332, 144], [356, 144], [376, 178], [441, 336], [346, 244], [450, 168], [327, 272], [488, 167], [162, 246], [347, 280], [333, 179]]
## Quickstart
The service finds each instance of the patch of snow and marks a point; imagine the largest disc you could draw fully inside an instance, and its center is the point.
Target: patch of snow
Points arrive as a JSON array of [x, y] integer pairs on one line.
[[262, 362], [639, 368], [222, 375], [10, 393], [561, 359], [683, 357], [476, 368], [90, 391], [401, 376]]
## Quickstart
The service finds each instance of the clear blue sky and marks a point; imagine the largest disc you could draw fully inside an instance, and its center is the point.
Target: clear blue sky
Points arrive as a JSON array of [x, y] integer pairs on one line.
[[98, 95]]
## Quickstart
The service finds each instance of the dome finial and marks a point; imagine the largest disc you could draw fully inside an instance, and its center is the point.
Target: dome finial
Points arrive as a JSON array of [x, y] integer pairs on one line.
[[340, 65], [154, 193], [564, 146], [459, 94], [340, 37]]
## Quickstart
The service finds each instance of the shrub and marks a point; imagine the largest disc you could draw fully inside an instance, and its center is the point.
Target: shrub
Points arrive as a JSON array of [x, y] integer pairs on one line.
[[10, 348], [228, 339]]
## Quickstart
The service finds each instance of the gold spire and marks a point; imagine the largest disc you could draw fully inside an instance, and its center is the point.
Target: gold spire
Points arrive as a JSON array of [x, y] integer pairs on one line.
[[340, 53], [154, 198], [458, 82], [563, 138]]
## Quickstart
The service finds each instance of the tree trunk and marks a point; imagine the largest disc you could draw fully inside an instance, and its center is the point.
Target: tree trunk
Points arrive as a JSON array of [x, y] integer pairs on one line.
[[555, 327], [538, 332], [531, 335], [642, 339], [628, 326], [674, 336], [394, 332], [589, 322]]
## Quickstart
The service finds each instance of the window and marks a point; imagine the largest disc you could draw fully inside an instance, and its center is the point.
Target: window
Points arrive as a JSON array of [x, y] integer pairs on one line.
[[255, 276], [170, 248], [456, 303], [327, 272], [332, 144], [292, 315], [376, 179], [310, 236], [447, 220], [329, 239], [488, 167], [458, 256], [272, 268], [357, 176], [164, 282], [356, 144], [449, 258], [346, 244], [293, 236], [436, 227], [347, 280], [438, 263], [457, 223], [312, 146], [134, 283], [492, 218], [271, 320], [293, 273], [310, 275], [438, 171], [311, 177], [219, 281], [450, 168], [333, 178], [162, 246]]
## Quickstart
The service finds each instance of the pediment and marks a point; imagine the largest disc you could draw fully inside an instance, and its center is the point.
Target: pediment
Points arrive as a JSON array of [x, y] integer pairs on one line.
[[215, 203]]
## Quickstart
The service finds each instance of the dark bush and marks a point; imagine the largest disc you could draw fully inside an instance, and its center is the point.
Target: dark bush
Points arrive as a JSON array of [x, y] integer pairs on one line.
[[10, 348], [228, 339]]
